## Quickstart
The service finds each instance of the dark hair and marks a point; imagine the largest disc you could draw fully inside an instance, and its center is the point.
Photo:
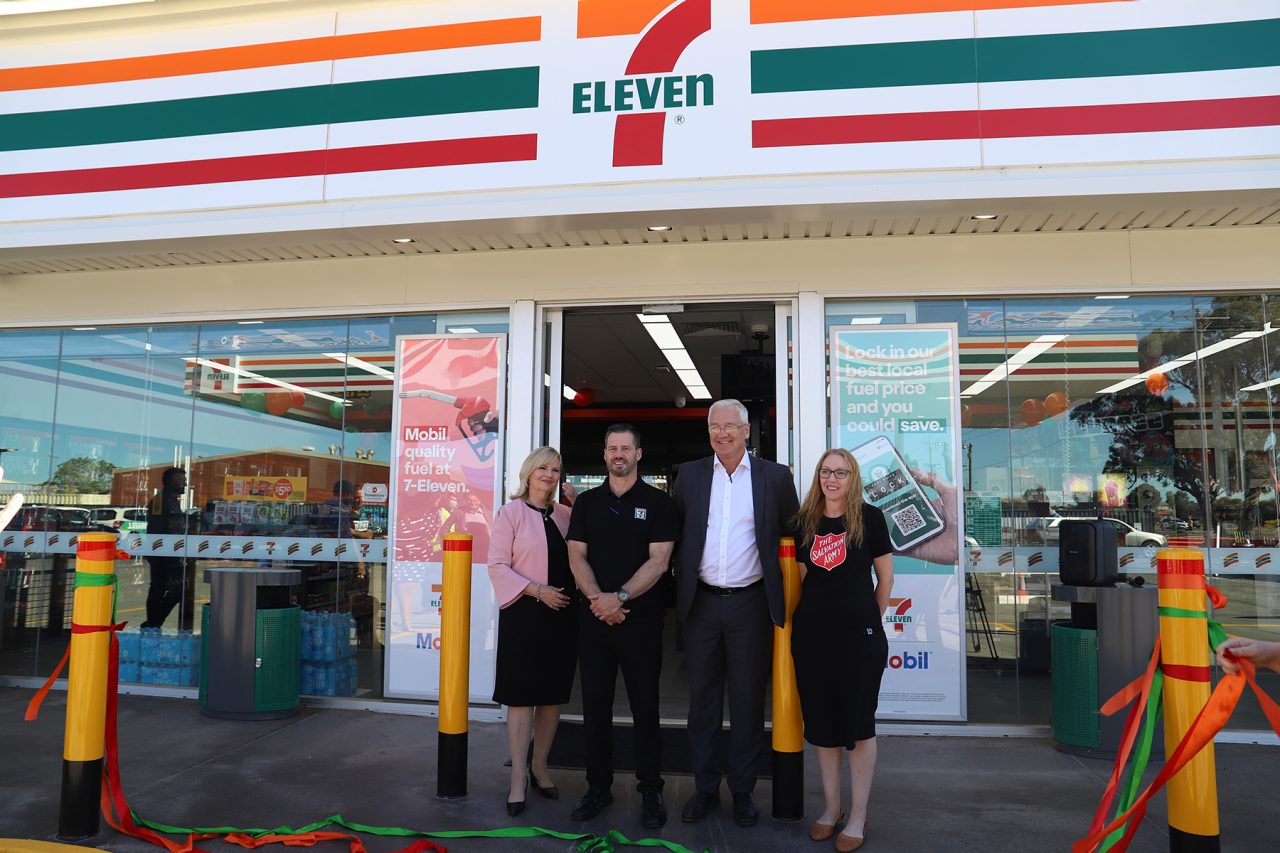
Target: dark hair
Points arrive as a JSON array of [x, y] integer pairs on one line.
[[623, 427], [344, 487], [166, 479]]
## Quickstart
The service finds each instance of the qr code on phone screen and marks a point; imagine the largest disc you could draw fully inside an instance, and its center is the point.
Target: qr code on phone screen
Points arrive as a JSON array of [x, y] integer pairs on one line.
[[908, 519]]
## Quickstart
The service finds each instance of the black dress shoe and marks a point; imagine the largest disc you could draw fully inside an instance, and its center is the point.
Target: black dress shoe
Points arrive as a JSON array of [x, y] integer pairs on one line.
[[551, 792], [514, 808], [653, 813], [745, 812], [698, 805], [591, 804]]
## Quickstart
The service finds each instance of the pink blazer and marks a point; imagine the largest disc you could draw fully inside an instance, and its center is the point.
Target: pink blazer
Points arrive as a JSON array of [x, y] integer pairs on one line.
[[518, 548]]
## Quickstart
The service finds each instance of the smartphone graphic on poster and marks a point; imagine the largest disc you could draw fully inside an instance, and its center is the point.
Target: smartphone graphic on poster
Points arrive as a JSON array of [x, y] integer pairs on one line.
[[888, 485]]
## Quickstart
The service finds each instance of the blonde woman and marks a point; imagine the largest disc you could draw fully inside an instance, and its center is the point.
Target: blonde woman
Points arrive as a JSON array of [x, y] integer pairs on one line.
[[537, 629], [837, 637]]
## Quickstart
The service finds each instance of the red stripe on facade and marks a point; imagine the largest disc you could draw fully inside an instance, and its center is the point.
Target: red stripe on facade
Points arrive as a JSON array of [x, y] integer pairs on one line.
[[637, 139], [259, 167], [1018, 123], [1182, 672]]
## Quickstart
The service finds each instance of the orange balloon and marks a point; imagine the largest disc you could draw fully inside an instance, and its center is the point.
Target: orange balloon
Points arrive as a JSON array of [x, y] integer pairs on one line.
[[1032, 412], [279, 402], [1055, 404], [1158, 383], [966, 414]]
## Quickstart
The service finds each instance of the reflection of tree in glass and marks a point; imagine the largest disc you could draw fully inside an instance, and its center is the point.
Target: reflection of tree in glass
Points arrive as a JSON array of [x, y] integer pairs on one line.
[[1142, 423], [83, 475]]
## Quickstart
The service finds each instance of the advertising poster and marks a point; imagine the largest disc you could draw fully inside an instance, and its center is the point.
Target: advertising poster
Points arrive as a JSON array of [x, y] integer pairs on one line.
[[895, 398], [264, 488], [446, 473]]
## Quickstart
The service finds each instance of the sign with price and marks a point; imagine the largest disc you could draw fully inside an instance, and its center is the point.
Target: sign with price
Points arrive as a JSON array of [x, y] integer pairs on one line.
[[895, 405], [446, 473]]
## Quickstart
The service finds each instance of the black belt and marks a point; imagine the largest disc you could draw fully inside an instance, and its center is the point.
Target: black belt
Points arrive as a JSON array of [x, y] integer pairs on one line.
[[727, 590]]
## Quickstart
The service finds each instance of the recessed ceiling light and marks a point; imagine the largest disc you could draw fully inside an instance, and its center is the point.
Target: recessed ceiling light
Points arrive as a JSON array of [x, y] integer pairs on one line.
[[84, 328], [1120, 296], [404, 240], [658, 228], [985, 216], [248, 322]]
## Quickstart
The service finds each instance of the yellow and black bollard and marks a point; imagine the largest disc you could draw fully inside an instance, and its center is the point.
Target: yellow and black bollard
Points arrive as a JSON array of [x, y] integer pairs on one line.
[[84, 742], [455, 656], [788, 726], [1184, 660]]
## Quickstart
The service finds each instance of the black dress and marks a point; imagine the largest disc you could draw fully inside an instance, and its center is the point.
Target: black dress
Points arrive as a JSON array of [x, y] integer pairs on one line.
[[837, 635], [538, 646]]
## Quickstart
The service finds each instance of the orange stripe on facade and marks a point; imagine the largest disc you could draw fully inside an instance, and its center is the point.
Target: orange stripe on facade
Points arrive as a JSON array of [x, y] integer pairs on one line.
[[781, 11], [617, 17], [325, 49]]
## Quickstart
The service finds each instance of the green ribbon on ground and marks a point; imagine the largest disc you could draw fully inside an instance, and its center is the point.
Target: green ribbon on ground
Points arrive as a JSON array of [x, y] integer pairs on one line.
[[586, 842]]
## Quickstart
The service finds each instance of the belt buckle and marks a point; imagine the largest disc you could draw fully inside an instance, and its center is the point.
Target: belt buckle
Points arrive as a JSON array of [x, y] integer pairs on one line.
[[725, 591]]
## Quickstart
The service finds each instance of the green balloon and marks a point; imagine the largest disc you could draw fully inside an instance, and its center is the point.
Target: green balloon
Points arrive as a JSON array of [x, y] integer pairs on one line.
[[254, 401], [335, 410]]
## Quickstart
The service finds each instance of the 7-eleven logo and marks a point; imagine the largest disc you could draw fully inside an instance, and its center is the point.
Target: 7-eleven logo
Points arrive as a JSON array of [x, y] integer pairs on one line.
[[897, 615], [649, 90], [437, 597]]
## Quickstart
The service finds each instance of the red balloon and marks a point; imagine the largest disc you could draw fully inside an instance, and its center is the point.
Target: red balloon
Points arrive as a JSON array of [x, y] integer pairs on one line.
[[279, 402], [584, 397], [966, 414], [298, 398], [1032, 412], [1158, 383], [1055, 404]]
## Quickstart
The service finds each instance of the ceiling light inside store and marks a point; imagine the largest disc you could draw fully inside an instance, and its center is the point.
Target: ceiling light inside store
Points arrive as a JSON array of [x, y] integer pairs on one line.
[[1192, 358], [1018, 359], [248, 322], [1113, 296], [865, 321], [566, 391], [257, 377], [84, 328], [983, 217], [657, 228], [668, 340], [403, 240]]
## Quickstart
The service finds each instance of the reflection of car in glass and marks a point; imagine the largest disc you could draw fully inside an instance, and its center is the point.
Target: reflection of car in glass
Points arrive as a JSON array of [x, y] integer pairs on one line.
[[1174, 524], [119, 518], [50, 519], [1126, 534]]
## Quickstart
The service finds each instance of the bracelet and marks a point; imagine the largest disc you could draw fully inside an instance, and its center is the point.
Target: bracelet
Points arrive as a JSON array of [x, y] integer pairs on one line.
[[539, 593]]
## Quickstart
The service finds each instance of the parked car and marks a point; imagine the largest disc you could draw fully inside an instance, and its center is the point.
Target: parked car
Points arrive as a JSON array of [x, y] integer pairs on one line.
[[51, 519], [1126, 534], [124, 519]]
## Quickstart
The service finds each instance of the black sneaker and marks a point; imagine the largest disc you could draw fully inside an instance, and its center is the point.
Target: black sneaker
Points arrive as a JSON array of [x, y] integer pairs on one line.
[[591, 804], [698, 805], [653, 814], [745, 812]]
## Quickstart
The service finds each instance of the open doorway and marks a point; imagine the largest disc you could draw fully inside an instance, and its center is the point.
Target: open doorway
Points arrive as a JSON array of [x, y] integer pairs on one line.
[[659, 368]]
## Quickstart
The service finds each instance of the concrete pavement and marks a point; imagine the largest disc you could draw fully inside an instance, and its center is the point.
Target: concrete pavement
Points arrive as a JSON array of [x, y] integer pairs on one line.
[[931, 793]]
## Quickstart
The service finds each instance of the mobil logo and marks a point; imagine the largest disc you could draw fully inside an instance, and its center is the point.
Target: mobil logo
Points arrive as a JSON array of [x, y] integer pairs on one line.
[[429, 641], [908, 660], [649, 85]]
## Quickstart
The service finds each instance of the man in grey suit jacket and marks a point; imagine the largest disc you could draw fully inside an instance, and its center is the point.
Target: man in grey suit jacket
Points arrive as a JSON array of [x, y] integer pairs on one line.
[[728, 591]]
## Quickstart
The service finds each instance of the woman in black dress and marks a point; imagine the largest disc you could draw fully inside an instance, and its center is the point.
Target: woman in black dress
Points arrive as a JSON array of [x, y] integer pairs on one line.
[[837, 636], [537, 631]]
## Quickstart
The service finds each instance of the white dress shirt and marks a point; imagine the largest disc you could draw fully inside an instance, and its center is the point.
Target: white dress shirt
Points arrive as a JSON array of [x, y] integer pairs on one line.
[[730, 557]]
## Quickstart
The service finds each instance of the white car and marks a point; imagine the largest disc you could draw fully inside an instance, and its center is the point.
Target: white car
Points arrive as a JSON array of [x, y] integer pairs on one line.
[[124, 519], [1133, 537]]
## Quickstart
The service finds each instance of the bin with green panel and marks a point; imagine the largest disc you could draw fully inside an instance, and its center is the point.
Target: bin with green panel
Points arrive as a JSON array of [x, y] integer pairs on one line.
[[250, 635]]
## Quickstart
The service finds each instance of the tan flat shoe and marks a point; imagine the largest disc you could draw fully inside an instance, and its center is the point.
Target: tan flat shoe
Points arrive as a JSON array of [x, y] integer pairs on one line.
[[849, 843], [823, 831]]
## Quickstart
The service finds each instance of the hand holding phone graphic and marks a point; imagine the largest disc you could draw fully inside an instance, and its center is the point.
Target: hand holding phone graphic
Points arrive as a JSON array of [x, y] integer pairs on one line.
[[889, 485]]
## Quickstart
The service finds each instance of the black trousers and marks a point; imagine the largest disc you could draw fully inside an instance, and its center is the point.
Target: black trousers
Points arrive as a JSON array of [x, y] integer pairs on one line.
[[727, 638], [171, 584], [635, 647]]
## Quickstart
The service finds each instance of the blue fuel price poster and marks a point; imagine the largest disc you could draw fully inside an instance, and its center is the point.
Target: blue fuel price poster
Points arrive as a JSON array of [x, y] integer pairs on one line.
[[895, 405]]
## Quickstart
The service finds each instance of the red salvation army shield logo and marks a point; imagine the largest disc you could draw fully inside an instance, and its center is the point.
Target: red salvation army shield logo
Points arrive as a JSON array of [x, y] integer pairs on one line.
[[828, 551]]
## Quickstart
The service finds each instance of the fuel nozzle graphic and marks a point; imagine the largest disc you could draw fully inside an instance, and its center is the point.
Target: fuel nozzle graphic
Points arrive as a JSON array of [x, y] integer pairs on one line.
[[476, 419]]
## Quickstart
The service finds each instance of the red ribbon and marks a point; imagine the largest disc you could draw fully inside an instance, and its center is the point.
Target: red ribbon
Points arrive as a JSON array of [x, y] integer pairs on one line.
[[33, 707]]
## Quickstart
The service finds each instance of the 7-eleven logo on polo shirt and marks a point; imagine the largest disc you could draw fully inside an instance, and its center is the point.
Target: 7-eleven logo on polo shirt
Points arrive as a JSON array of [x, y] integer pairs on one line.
[[649, 88]]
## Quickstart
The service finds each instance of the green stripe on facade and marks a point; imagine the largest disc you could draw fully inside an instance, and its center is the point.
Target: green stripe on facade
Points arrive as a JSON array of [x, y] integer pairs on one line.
[[437, 94], [1164, 50]]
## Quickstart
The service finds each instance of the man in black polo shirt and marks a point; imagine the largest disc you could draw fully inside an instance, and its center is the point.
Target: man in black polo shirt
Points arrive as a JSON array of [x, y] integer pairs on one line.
[[620, 540]]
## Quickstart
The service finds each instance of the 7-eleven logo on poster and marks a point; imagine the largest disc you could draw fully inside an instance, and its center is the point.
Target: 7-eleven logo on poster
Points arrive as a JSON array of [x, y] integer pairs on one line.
[[897, 614], [648, 88]]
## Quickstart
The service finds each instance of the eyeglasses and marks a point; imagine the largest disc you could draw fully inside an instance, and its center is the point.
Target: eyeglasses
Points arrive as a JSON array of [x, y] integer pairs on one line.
[[838, 473], [718, 428]]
